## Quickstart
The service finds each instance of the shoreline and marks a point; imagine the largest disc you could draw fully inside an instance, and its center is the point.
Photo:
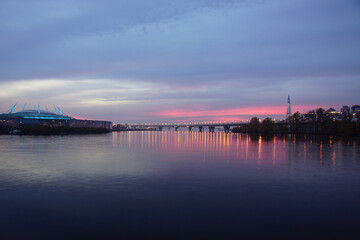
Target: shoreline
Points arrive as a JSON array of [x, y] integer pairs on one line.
[[49, 130]]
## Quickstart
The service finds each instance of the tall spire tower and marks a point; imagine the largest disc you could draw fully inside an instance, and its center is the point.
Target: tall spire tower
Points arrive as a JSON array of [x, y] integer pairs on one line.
[[288, 112]]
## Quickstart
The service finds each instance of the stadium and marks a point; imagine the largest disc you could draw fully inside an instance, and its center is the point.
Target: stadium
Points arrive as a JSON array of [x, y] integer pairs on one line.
[[32, 117]]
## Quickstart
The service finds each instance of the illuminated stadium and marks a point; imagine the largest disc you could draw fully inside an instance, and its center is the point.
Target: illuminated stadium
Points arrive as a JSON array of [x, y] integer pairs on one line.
[[47, 118]]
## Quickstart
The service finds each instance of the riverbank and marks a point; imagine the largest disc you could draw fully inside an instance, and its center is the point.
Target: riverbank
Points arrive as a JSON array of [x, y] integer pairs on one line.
[[333, 128], [50, 130]]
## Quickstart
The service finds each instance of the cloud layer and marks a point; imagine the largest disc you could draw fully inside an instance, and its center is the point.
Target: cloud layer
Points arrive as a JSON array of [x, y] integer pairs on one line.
[[134, 58]]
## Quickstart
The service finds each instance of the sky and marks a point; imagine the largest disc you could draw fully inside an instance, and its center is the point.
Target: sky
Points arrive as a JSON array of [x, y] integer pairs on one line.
[[155, 61]]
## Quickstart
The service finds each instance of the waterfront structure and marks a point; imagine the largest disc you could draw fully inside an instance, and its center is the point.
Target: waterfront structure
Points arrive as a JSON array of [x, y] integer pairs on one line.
[[30, 117], [345, 110], [355, 109], [333, 114], [288, 111]]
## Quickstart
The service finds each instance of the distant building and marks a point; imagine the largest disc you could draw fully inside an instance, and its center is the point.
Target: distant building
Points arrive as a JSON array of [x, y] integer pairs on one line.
[[334, 115], [121, 127], [309, 117], [288, 111], [330, 110], [47, 118], [355, 109]]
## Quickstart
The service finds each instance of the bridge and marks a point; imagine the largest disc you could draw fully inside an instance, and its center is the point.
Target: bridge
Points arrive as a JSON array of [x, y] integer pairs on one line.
[[190, 126]]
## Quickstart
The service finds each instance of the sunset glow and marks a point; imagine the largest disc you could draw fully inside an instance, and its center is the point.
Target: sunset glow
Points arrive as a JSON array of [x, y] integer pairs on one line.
[[231, 114], [179, 60]]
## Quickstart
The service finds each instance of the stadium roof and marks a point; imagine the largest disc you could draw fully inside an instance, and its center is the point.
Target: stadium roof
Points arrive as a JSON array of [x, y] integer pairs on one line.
[[37, 114]]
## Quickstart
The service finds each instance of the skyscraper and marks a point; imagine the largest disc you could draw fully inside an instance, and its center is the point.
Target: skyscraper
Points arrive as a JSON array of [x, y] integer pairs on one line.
[[288, 112]]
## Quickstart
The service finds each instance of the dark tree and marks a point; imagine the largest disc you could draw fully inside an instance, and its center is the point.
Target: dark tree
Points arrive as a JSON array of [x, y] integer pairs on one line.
[[347, 117], [345, 110], [254, 124], [296, 117], [296, 122], [267, 125], [320, 114]]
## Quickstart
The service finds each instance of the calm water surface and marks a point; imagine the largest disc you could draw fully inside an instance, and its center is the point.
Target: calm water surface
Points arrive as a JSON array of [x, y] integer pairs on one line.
[[178, 185]]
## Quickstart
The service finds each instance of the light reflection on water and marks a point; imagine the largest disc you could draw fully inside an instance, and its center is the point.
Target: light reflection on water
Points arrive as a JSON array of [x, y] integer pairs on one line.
[[233, 177], [79, 161], [243, 148], [130, 152]]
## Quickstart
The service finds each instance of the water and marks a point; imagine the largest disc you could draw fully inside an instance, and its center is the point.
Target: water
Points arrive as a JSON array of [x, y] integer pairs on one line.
[[178, 185]]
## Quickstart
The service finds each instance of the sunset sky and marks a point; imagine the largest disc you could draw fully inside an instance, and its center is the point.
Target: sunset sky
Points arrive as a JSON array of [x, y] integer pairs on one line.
[[179, 60]]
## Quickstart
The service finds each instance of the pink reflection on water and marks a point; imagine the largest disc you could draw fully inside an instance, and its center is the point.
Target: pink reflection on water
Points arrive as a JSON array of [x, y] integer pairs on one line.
[[231, 148]]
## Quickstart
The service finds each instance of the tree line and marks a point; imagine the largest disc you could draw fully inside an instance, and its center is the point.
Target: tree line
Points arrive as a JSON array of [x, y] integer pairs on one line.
[[317, 121]]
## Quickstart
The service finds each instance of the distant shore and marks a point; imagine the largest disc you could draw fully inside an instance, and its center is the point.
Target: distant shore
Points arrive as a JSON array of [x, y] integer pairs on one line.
[[330, 128]]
